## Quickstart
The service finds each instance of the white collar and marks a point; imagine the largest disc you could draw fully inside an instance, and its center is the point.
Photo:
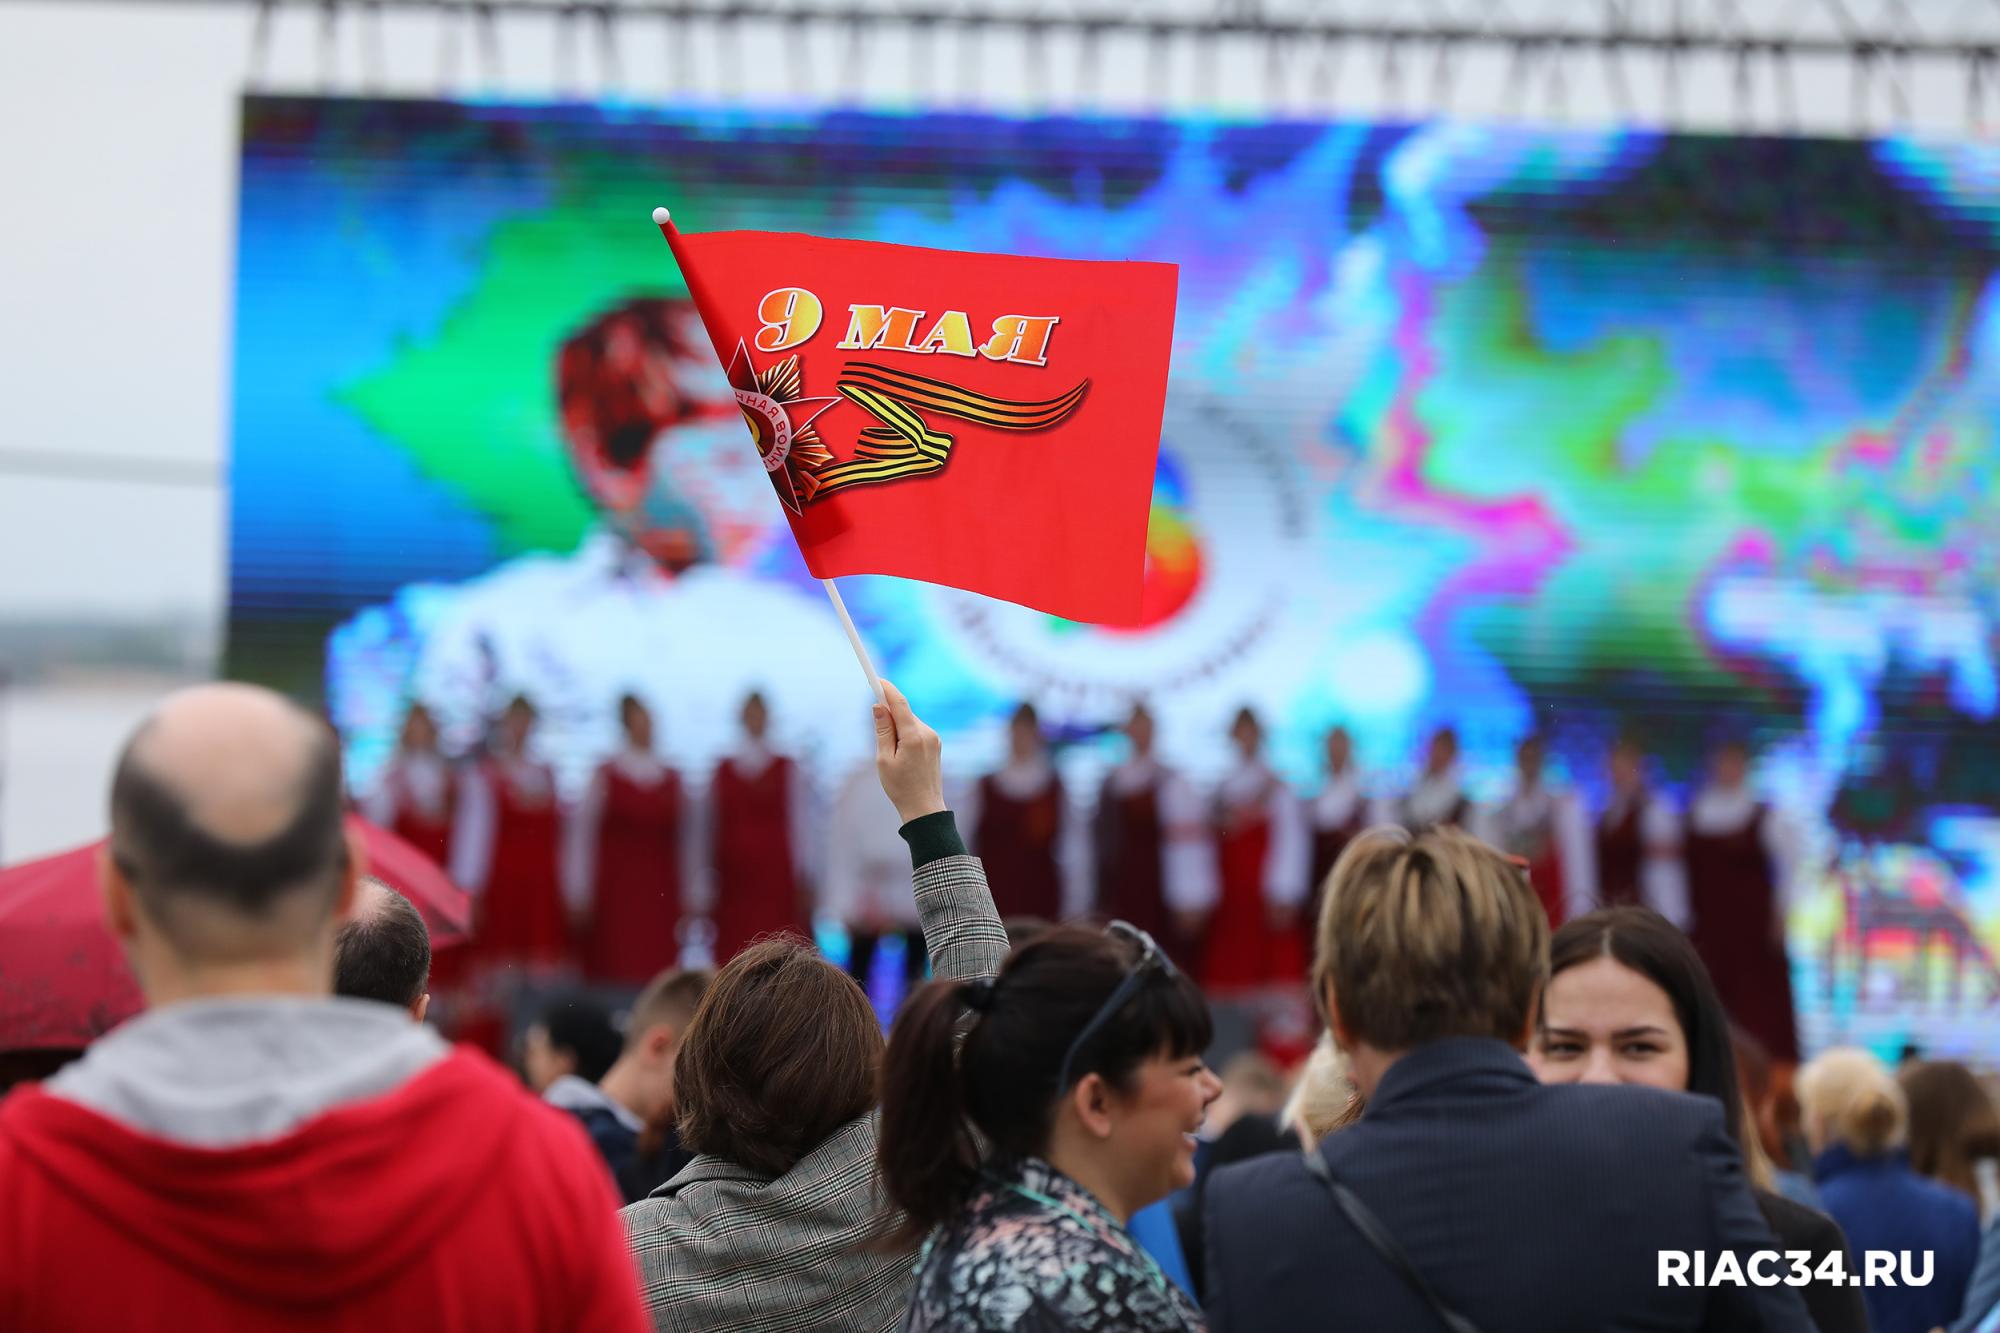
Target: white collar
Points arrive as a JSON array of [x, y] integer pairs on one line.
[[1338, 800], [751, 757], [524, 775], [640, 766], [571, 1093], [1435, 796], [1135, 775], [1718, 810], [1020, 779], [1248, 781]]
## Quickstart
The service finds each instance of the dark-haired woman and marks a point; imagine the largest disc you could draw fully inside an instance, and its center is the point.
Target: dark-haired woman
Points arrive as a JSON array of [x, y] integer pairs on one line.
[[624, 852], [1629, 1001], [506, 849], [1954, 1131], [1081, 1069]]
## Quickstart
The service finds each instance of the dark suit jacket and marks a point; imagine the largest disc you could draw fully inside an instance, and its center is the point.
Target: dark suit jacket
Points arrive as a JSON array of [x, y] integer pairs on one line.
[[1530, 1209]]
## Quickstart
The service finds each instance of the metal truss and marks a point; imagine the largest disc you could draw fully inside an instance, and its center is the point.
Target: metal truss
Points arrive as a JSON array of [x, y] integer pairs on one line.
[[1886, 55]]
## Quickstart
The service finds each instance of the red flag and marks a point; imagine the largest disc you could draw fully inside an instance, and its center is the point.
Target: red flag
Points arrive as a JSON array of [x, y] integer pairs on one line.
[[990, 422]]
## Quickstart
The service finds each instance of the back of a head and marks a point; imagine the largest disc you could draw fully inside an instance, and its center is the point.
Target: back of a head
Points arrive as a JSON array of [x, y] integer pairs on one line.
[[1430, 937], [582, 1030], [384, 951], [1645, 942], [781, 1053], [1255, 1079], [670, 998], [1854, 1101], [1953, 1122], [226, 821], [1004, 1081]]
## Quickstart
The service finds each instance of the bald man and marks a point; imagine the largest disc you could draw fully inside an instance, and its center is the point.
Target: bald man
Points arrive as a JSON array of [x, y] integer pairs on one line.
[[382, 951], [254, 1152]]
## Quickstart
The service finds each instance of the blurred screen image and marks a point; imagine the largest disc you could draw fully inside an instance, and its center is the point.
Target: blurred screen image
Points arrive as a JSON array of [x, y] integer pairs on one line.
[[1567, 433]]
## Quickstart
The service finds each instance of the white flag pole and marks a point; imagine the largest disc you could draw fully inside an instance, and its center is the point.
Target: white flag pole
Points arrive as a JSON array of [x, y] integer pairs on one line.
[[854, 639]]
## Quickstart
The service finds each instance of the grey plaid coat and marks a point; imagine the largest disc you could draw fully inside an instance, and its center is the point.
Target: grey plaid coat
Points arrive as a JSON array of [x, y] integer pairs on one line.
[[722, 1247]]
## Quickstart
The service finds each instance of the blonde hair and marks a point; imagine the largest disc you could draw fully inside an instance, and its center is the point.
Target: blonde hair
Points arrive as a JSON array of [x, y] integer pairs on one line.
[[1854, 1100], [1323, 1099], [1430, 937], [1756, 1162]]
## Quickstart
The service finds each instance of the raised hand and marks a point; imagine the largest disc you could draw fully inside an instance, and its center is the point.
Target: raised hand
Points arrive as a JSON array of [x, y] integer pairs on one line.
[[908, 758]]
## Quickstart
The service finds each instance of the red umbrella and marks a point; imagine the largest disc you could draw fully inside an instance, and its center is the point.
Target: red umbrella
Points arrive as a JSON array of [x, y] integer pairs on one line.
[[63, 978]]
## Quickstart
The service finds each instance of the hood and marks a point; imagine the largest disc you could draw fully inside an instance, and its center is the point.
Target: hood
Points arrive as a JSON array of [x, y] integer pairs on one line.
[[579, 1096], [342, 1196], [220, 1073]]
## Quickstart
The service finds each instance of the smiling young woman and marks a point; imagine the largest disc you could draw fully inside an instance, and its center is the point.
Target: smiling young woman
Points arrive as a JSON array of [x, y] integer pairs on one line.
[[1082, 1069], [1629, 1001]]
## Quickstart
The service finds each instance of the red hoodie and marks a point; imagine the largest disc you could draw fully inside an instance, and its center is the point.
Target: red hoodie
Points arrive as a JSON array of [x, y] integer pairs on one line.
[[456, 1201]]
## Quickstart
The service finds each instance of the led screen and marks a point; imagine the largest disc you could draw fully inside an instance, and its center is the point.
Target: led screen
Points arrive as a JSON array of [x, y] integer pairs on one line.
[[1563, 432]]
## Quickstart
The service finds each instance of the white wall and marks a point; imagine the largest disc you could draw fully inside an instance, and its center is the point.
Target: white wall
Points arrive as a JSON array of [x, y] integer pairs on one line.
[[118, 166]]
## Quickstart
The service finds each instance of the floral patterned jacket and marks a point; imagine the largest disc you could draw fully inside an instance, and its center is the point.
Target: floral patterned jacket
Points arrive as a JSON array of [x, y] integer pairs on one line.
[[1035, 1251]]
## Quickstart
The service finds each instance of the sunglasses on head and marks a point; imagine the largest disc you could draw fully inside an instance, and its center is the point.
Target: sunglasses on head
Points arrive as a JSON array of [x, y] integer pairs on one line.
[[1151, 959]]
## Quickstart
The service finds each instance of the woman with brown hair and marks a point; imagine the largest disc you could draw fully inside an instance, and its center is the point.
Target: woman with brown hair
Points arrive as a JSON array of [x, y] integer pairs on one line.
[[1954, 1130], [1629, 1001], [1020, 824], [770, 1225], [1072, 1103]]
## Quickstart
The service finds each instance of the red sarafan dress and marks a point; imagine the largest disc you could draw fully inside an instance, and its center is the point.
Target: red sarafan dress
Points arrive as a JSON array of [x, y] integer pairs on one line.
[[634, 819], [1437, 801], [521, 917], [1131, 852], [1536, 824], [1339, 815], [1018, 835], [1621, 853], [1261, 862], [417, 800], [1154, 857], [756, 862], [1733, 898]]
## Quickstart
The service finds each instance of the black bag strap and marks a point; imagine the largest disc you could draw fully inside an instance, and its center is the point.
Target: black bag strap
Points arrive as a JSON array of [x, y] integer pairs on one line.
[[1378, 1237]]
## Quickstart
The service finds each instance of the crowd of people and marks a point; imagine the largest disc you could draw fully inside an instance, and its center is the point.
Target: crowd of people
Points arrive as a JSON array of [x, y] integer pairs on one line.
[[1515, 1111], [650, 868]]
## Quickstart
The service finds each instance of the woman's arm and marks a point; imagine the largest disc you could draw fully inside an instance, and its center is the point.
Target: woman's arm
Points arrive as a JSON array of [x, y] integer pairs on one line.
[[962, 931]]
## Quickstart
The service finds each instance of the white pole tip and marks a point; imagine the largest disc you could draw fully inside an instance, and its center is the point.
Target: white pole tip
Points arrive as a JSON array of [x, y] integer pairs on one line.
[[660, 217]]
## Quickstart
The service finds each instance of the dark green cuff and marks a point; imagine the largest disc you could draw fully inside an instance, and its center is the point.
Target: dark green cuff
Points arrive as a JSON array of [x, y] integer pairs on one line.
[[932, 838]]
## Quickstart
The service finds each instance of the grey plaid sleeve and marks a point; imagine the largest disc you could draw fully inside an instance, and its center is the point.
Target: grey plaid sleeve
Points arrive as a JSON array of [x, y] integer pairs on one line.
[[961, 927]]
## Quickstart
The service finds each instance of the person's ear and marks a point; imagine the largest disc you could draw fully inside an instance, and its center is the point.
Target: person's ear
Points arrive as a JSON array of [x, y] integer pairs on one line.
[[421, 1007], [1092, 1100], [1341, 1037], [660, 1040], [121, 914], [1532, 1025]]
